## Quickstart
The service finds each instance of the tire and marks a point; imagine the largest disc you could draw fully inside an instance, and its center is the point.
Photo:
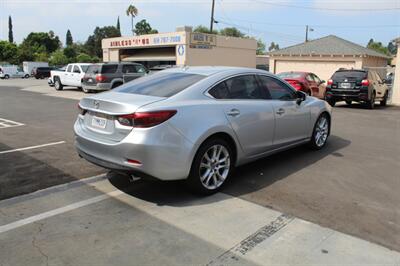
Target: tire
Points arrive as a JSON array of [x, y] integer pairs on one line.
[[116, 84], [348, 102], [331, 102], [36, 77], [321, 127], [384, 101], [215, 179], [309, 93], [86, 90], [57, 84], [6, 76], [371, 102], [27, 76]]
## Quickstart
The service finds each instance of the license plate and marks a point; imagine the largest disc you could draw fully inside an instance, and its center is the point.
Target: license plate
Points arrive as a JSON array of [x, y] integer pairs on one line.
[[345, 85], [90, 80], [99, 122]]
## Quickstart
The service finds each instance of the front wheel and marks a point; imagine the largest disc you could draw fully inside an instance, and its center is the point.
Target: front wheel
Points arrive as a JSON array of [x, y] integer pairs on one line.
[[27, 76], [348, 102], [6, 76], [331, 102], [371, 102], [85, 90], [211, 167], [321, 132], [384, 101]]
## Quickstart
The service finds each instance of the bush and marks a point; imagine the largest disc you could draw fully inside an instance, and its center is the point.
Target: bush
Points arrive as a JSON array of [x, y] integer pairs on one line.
[[58, 58]]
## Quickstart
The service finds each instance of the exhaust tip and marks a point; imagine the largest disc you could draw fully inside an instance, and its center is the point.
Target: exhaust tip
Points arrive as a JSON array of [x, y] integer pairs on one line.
[[133, 178]]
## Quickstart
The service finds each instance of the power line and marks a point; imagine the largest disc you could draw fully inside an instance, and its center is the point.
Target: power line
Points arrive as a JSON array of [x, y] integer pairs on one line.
[[327, 8]]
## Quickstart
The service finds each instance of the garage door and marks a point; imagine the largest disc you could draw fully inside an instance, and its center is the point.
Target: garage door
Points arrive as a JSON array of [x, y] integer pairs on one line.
[[322, 69]]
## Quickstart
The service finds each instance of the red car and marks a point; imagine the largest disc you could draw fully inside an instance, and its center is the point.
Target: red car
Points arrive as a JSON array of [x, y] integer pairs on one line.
[[306, 82]]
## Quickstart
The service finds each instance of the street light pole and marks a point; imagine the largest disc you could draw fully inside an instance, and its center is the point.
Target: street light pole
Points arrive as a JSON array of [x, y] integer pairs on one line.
[[212, 16], [306, 33]]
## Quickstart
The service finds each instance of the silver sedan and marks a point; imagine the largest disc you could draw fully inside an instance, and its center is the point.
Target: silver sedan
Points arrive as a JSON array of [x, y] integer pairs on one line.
[[197, 123]]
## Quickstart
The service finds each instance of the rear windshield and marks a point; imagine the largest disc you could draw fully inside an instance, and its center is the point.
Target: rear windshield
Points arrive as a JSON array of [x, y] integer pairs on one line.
[[93, 69], [160, 84], [289, 75], [351, 75], [84, 68]]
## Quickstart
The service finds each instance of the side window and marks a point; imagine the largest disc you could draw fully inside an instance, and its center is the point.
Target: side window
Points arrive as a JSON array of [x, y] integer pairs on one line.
[[243, 87], [69, 68], [277, 89], [309, 78], [76, 69], [219, 91], [109, 69], [128, 69]]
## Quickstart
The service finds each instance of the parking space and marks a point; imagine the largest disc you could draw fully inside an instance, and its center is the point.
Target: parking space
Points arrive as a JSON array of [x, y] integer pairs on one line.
[[298, 206]]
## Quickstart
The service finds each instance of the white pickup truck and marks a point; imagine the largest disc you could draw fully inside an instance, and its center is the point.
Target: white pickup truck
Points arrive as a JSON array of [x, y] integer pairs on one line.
[[72, 76]]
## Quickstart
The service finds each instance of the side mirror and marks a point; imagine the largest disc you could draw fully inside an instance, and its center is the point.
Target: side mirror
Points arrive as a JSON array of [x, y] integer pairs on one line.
[[384, 81], [301, 96], [323, 82]]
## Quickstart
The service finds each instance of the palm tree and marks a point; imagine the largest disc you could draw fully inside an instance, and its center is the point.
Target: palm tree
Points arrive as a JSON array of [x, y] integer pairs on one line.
[[133, 12]]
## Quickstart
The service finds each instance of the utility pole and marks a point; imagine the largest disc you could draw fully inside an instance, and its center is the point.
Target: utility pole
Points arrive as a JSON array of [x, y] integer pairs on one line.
[[306, 33], [212, 16]]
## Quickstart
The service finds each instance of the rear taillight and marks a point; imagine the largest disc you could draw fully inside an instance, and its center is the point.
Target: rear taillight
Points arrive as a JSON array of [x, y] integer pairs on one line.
[[330, 82], [100, 78], [297, 85], [81, 110], [146, 119], [365, 82]]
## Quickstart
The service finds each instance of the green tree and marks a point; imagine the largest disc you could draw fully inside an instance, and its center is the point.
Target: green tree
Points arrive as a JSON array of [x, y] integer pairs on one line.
[[35, 41], [143, 27], [10, 30], [93, 43], [8, 52], [260, 47], [204, 29], [378, 47], [68, 38], [58, 58], [232, 31], [273, 47], [392, 48], [83, 58], [70, 53], [132, 11], [118, 25]]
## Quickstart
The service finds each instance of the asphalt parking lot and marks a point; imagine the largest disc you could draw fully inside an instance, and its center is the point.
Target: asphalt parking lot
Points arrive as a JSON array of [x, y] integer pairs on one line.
[[340, 205]]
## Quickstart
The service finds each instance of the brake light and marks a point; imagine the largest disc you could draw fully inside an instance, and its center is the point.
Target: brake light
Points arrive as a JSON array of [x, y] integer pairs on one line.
[[81, 110], [330, 82], [100, 78], [146, 119], [297, 85], [365, 82]]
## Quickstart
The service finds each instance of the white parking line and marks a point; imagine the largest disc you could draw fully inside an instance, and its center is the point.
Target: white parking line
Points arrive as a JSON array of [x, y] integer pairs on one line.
[[33, 147], [5, 123], [45, 215]]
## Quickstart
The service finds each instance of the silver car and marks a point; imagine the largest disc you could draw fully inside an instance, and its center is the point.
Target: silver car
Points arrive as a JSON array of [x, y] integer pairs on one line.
[[197, 123]]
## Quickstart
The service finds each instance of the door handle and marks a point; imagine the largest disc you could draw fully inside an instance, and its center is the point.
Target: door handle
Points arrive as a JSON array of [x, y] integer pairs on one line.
[[280, 111], [233, 112]]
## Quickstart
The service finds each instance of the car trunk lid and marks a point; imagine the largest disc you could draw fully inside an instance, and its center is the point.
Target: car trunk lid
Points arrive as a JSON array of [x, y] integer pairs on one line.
[[102, 112]]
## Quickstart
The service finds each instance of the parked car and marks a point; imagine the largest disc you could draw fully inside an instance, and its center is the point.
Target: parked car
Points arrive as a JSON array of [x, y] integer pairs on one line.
[[306, 82], [50, 79], [197, 123], [12, 71], [357, 85], [28, 66], [107, 76], [42, 72], [160, 67], [71, 76]]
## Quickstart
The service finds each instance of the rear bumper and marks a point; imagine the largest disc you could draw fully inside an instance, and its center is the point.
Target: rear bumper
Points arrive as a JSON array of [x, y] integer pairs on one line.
[[162, 151], [97, 86], [345, 95]]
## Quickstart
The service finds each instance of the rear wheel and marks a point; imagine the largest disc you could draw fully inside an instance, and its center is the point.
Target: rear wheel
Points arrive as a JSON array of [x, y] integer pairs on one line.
[[321, 132], [371, 102], [57, 84], [348, 102], [116, 85], [331, 102], [85, 90], [212, 165], [384, 101], [6, 76]]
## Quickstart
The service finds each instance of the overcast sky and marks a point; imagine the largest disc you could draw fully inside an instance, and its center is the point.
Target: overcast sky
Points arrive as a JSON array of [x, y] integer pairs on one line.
[[281, 21]]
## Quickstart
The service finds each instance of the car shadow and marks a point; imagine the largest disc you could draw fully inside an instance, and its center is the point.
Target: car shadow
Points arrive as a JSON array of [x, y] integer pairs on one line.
[[246, 179]]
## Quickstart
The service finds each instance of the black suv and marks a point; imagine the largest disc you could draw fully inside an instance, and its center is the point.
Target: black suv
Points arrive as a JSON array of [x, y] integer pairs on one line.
[[106, 76], [363, 86], [42, 72]]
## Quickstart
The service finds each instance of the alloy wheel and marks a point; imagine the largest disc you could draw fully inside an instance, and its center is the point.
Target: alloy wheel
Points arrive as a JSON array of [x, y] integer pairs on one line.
[[214, 167], [321, 131]]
